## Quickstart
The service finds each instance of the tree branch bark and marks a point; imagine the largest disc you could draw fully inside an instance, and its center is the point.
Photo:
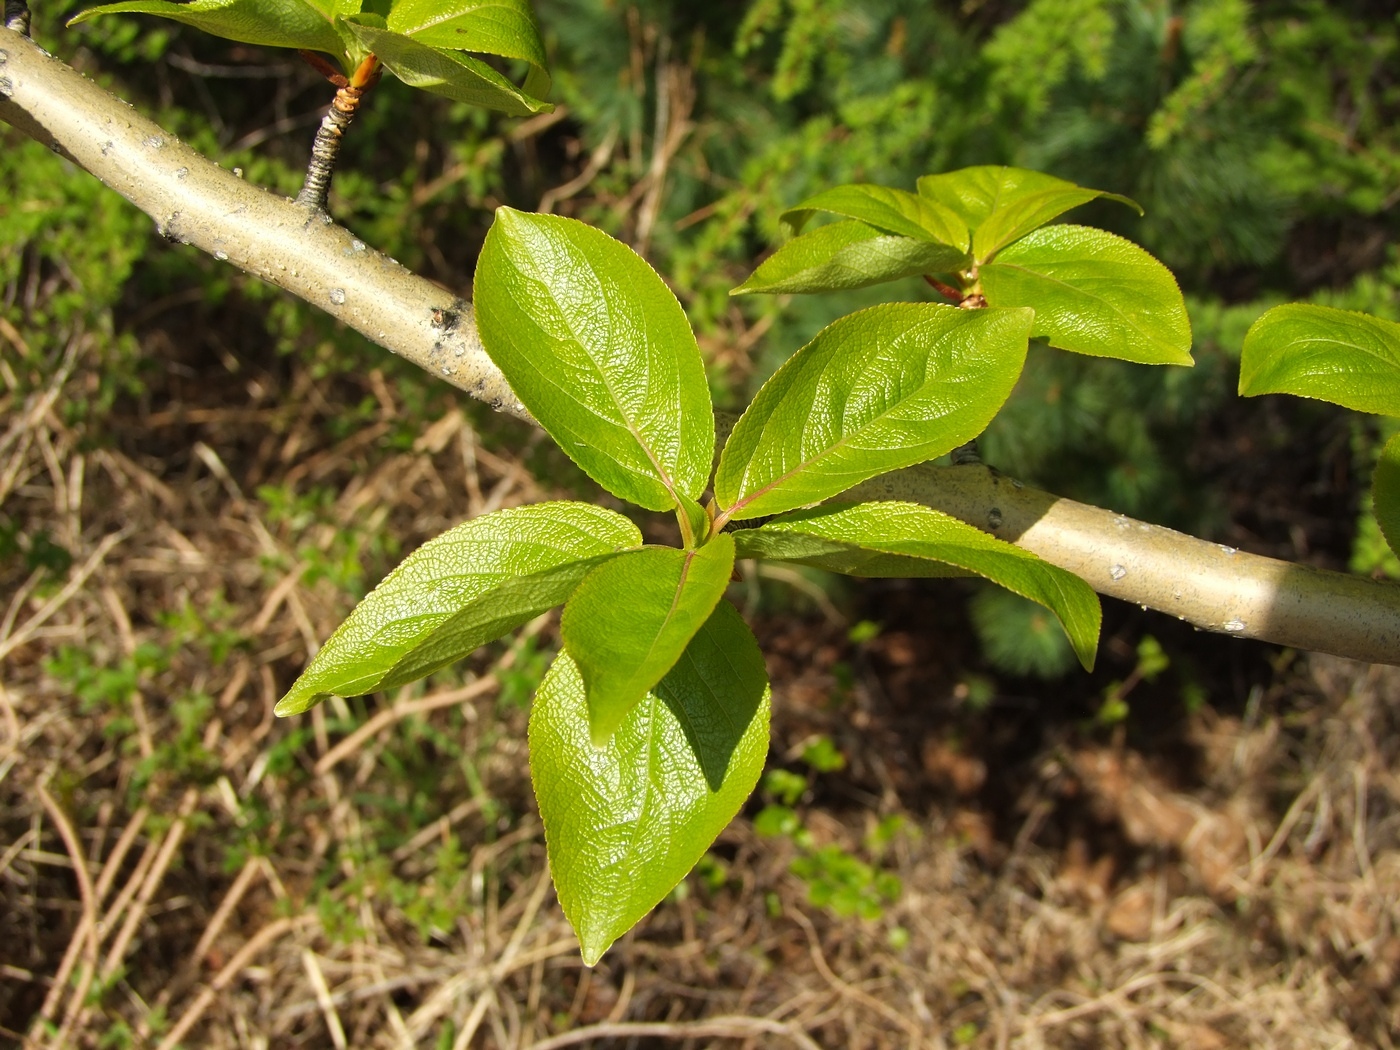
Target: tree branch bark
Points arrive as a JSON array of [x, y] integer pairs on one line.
[[194, 201]]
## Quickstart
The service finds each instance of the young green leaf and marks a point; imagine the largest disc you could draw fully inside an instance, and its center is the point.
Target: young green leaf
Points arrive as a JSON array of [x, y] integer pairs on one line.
[[1093, 293], [1347, 358], [624, 824], [633, 616], [459, 591], [598, 349], [916, 534], [305, 24], [891, 210], [848, 254], [1001, 205], [441, 71], [1385, 492], [879, 389], [494, 27]]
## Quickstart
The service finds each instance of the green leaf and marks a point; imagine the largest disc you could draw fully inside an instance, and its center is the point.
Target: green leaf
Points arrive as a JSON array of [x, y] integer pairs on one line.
[[494, 27], [598, 349], [879, 389], [1001, 205], [916, 533], [848, 254], [1347, 358], [1385, 493], [459, 591], [892, 210], [303, 24], [624, 824], [633, 616], [450, 73], [1093, 293]]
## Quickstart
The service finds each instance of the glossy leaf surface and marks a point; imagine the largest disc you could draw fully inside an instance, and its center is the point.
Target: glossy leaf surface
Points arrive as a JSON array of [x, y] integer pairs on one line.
[[459, 591], [450, 73], [625, 823], [888, 209], [880, 389], [1093, 293], [1347, 358], [304, 24], [1001, 205], [496, 27], [631, 618], [848, 254], [917, 533], [1385, 493], [598, 349]]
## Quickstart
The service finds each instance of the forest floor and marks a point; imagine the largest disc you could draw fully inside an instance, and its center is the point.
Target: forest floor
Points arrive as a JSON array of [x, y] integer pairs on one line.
[[1215, 865]]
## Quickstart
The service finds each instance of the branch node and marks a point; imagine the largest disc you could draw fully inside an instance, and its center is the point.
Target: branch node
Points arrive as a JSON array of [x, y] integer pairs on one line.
[[17, 16]]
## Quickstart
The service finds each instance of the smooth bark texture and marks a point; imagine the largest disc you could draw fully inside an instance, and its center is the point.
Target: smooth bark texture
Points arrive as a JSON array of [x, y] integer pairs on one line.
[[194, 201]]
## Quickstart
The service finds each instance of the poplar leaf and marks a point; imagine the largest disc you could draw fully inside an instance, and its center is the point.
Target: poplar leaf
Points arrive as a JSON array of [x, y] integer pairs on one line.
[[459, 591], [848, 254], [1335, 355], [1001, 205], [624, 824], [1093, 293], [633, 616], [599, 350], [838, 536], [877, 390]]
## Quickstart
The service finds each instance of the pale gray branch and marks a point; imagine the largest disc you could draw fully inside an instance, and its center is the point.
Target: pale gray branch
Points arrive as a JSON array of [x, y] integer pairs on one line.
[[194, 201]]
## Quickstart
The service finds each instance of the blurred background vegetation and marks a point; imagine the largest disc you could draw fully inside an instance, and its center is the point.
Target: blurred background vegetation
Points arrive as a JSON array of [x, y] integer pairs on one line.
[[1263, 140]]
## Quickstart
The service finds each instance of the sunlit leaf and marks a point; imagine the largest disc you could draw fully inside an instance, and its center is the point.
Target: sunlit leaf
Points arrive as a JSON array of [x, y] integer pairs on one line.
[[1347, 358], [306, 24], [1001, 205], [1093, 293], [599, 350], [891, 210], [440, 71], [848, 255], [880, 389], [623, 824], [459, 591]]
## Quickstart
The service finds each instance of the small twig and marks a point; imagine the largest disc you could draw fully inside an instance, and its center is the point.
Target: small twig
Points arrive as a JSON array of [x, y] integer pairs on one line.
[[712, 1028], [326, 148], [86, 933], [17, 16], [946, 290]]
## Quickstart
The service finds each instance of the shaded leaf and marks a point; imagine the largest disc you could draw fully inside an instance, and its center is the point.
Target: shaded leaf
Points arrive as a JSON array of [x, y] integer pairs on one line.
[[625, 823], [1385, 493], [1347, 358], [916, 533], [449, 73], [270, 23], [879, 389], [459, 591], [1001, 205], [599, 350], [891, 210], [631, 617], [848, 255], [1093, 293]]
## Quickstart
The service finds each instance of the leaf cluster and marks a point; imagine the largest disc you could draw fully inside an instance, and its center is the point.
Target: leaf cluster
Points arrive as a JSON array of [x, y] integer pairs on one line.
[[650, 729], [425, 43]]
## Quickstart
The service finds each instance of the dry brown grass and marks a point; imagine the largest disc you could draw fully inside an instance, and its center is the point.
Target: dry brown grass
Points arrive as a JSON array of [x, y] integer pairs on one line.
[[249, 892]]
